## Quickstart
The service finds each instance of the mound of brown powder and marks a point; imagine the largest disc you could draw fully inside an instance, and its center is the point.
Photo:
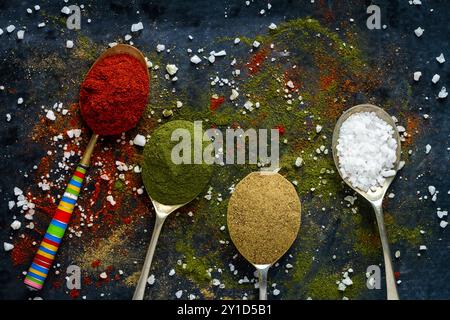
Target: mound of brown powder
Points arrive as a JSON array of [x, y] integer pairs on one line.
[[263, 217]]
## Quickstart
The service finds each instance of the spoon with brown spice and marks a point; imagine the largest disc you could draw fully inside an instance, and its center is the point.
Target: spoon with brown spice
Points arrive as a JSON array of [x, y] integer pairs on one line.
[[263, 220]]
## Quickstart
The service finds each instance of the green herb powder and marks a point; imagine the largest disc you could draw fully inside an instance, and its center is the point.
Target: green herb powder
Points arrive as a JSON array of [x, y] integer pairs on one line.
[[166, 182]]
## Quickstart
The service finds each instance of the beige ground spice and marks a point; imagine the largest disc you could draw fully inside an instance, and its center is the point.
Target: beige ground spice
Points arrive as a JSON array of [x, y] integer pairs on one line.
[[263, 217]]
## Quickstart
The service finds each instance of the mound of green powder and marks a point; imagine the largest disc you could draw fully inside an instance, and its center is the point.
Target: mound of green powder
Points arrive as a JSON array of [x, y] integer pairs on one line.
[[166, 182]]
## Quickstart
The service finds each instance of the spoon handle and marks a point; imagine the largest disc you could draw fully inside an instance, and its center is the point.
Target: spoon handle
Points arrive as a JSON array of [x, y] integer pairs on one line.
[[391, 287], [140, 288], [43, 260], [262, 275]]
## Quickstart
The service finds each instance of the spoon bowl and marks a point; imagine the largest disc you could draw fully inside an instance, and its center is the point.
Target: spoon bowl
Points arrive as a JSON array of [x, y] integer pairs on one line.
[[375, 197]]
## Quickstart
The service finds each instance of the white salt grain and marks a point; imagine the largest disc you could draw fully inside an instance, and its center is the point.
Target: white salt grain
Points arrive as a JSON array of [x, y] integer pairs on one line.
[[441, 58], [139, 140], [366, 150]]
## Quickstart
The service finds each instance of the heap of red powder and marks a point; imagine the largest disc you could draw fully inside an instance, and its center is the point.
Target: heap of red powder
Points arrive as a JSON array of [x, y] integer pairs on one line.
[[114, 94]]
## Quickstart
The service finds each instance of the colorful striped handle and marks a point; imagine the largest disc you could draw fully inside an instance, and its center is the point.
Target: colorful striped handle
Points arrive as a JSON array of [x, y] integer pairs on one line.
[[37, 273]]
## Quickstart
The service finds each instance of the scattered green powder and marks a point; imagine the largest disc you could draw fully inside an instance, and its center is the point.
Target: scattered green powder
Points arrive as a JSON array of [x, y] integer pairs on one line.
[[166, 182]]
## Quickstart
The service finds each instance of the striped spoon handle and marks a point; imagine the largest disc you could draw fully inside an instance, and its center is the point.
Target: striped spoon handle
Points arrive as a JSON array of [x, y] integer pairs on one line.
[[42, 262]]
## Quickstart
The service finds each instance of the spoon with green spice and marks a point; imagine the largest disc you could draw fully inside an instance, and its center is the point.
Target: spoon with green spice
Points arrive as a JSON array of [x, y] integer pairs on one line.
[[263, 219], [170, 186]]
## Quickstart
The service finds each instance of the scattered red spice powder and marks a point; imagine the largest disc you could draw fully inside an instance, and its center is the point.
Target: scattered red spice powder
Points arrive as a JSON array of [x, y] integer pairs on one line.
[[74, 293], [256, 61], [397, 275], [114, 94], [96, 263], [23, 250], [215, 103], [281, 129]]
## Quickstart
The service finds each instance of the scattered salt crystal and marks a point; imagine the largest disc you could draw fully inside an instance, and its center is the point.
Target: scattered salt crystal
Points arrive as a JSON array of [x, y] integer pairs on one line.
[[234, 94], [37, 7], [50, 115], [427, 149], [275, 292], [298, 162], [442, 214], [397, 254], [237, 40], [171, 69], [436, 78], [69, 44], [318, 128], [248, 105], [17, 191], [341, 286], [41, 25], [20, 34], [419, 31], [10, 28], [423, 248], [256, 44], [196, 59], [139, 140], [178, 294], [111, 200], [65, 10], [171, 272], [221, 53], [16, 225], [11, 204], [443, 93], [432, 190], [211, 58], [441, 58], [20, 101], [137, 26], [272, 26], [151, 279], [103, 275], [160, 47], [443, 224], [8, 246], [417, 75]]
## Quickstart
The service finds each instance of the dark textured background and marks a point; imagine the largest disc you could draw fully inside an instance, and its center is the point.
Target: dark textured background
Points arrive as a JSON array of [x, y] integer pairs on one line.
[[169, 22]]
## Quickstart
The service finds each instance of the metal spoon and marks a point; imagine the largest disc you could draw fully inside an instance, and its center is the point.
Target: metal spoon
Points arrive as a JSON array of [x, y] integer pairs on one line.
[[162, 212], [374, 197], [262, 269]]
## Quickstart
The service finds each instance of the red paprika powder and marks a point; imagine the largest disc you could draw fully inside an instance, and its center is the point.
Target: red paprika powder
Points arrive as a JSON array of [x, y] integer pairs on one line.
[[114, 94]]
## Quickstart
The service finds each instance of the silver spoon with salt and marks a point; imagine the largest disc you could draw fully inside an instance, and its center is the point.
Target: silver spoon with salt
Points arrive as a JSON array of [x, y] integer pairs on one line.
[[375, 197]]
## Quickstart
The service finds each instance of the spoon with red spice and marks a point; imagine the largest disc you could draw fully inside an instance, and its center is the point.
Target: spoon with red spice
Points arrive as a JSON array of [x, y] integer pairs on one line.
[[113, 97]]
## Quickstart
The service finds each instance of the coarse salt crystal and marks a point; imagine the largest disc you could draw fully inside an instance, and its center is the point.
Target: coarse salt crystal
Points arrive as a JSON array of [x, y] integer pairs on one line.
[[417, 75], [427, 149], [196, 59], [137, 26], [234, 94], [419, 31], [178, 294], [436, 78], [50, 115], [139, 140], [366, 150], [151, 280], [441, 58], [10, 28], [272, 26], [103, 275], [69, 44], [16, 225], [256, 44], [160, 47], [8, 246], [443, 224], [20, 34], [171, 69], [443, 93]]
